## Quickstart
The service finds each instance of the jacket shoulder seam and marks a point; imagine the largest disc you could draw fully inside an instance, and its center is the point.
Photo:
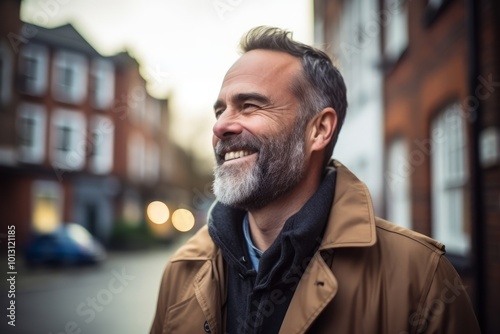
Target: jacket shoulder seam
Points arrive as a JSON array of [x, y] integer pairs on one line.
[[438, 249]]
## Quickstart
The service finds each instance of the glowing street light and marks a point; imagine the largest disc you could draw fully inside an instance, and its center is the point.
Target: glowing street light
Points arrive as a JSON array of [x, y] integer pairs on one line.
[[183, 220], [158, 212]]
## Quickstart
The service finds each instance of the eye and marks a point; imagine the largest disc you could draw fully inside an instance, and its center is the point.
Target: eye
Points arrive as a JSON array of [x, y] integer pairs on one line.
[[218, 113], [250, 106]]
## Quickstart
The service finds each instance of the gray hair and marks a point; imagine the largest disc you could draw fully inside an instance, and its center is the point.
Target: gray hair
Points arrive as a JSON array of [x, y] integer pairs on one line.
[[320, 86]]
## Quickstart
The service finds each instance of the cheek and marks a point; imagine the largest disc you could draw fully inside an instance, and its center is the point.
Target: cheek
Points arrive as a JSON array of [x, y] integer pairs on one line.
[[266, 126]]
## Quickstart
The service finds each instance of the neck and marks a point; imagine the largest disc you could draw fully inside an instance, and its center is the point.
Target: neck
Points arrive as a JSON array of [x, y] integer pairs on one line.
[[266, 223]]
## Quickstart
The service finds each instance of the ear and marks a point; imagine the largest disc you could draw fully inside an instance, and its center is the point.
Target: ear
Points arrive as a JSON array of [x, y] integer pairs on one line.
[[322, 128]]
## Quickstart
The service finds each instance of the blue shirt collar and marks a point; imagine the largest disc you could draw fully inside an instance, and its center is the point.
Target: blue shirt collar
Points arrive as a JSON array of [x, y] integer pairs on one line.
[[254, 252]]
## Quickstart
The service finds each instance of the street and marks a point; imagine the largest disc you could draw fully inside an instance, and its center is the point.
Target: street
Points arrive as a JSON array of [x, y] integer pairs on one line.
[[119, 296]]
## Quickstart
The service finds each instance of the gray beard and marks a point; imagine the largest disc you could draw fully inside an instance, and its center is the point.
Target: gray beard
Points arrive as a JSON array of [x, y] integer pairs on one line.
[[253, 185]]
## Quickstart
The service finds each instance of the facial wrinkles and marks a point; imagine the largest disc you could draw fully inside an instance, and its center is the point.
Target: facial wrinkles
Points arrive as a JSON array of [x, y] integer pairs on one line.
[[279, 110], [271, 77]]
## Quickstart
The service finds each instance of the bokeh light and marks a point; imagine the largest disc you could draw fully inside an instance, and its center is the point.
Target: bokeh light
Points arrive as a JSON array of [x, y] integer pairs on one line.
[[46, 218], [158, 212], [183, 220]]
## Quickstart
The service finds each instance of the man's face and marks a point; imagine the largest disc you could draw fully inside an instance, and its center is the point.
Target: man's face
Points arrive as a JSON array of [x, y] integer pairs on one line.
[[258, 146]]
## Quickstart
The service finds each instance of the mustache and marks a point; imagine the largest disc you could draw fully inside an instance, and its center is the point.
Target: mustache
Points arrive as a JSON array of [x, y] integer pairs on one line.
[[242, 141]]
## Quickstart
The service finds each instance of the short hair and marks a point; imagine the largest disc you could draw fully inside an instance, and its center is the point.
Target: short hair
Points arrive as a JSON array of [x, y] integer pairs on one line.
[[320, 86]]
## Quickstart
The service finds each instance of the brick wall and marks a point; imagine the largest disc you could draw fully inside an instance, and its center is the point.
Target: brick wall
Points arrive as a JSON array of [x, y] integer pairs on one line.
[[433, 72]]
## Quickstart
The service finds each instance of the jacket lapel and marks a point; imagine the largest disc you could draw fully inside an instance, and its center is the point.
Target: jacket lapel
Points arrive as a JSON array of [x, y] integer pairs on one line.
[[351, 223], [316, 289]]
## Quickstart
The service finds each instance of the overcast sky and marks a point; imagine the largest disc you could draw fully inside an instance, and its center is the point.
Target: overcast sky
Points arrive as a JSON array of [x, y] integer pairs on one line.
[[184, 47]]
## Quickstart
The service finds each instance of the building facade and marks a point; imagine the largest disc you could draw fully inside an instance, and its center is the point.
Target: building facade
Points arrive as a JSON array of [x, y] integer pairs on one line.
[[81, 139], [441, 129], [340, 31]]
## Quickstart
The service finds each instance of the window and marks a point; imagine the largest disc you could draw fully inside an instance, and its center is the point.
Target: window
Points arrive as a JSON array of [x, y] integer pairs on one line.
[[33, 68], [5, 74], [67, 77], [398, 184], [449, 179], [47, 206], [396, 29], [70, 77], [64, 143], [68, 139], [103, 84], [31, 132], [132, 211], [102, 136], [96, 149], [27, 131]]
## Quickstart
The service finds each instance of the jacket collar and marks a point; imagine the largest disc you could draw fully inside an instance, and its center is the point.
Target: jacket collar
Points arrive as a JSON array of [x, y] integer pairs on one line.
[[351, 222]]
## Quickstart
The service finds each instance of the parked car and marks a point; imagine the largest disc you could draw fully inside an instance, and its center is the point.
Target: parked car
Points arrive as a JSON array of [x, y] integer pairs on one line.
[[70, 244]]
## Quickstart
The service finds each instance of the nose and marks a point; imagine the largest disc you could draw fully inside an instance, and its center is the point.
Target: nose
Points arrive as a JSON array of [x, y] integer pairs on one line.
[[227, 125]]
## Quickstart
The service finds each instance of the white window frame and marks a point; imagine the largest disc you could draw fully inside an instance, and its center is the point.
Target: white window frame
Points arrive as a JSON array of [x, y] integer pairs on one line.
[[396, 31], [398, 195], [102, 141], [6, 82], [38, 84], [103, 83], [76, 64], [449, 180], [36, 113], [72, 157]]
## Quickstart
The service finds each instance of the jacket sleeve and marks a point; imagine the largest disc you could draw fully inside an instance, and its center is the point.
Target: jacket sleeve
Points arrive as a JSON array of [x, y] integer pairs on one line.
[[446, 308], [161, 305]]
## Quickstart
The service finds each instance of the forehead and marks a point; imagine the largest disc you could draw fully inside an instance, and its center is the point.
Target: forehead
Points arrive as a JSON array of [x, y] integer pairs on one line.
[[262, 70]]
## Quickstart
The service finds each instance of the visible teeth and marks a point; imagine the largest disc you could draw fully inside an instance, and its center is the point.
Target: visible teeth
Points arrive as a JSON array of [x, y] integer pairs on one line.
[[235, 155]]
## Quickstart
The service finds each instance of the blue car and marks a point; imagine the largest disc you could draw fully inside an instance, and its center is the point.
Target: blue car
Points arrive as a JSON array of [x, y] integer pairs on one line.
[[70, 244]]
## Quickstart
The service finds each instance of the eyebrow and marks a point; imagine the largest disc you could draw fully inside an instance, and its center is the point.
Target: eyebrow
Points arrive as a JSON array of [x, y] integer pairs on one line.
[[241, 97]]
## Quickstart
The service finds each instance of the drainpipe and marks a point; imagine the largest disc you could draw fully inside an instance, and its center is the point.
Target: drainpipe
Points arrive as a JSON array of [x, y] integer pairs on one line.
[[478, 244]]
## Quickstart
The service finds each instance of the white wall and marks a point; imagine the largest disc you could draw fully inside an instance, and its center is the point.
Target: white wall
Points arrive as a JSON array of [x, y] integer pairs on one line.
[[356, 46]]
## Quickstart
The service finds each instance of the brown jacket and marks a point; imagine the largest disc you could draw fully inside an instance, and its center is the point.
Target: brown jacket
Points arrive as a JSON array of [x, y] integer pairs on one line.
[[368, 276]]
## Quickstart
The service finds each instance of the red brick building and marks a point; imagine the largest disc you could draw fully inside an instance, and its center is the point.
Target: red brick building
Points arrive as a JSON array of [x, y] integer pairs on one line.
[[441, 97], [81, 140]]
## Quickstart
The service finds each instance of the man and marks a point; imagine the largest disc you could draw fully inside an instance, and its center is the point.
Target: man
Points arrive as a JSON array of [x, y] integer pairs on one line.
[[292, 244]]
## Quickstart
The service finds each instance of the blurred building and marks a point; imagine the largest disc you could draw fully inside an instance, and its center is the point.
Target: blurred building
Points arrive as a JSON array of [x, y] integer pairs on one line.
[[81, 140], [338, 31], [441, 126]]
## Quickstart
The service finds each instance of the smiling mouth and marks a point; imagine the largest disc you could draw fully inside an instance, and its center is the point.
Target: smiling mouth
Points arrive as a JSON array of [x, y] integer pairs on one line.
[[233, 155]]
